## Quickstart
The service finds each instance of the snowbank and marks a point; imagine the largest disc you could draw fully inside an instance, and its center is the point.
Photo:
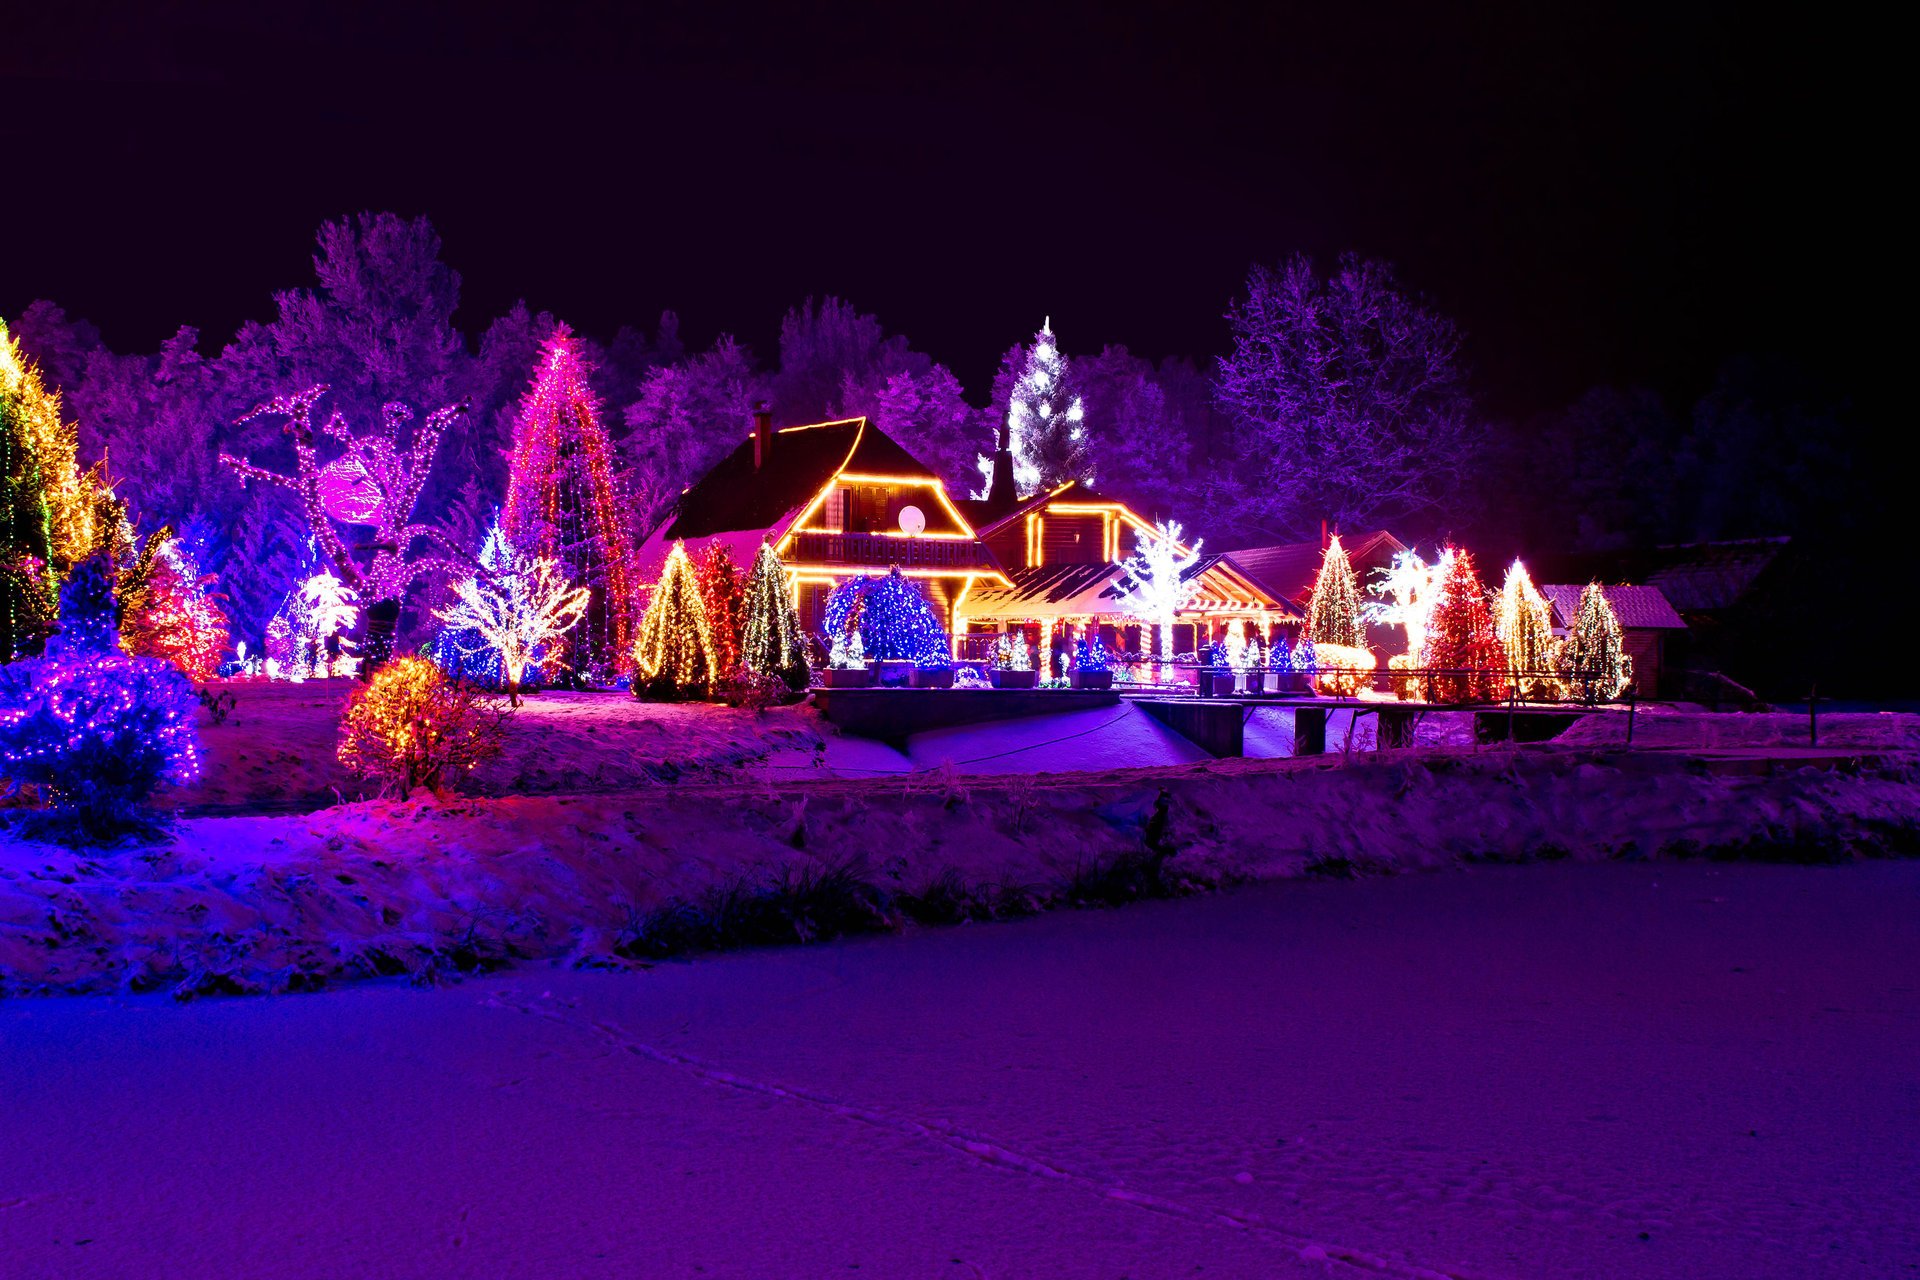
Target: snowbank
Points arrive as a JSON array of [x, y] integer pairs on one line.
[[290, 901]]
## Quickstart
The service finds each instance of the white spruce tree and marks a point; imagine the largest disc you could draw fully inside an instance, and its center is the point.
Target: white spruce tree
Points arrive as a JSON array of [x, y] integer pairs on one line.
[[1048, 420]]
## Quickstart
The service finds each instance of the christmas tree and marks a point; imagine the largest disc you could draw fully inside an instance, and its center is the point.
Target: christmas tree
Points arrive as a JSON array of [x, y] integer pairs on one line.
[[515, 608], [1462, 647], [891, 616], [167, 611], [563, 502], [674, 655], [1594, 659], [1333, 611], [1048, 420], [27, 601], [1524, 621], [1154, 582], [725, 596], [771, 643]]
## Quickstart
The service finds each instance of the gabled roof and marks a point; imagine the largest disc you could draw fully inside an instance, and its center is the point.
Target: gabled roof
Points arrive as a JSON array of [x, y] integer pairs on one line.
[[736, 496], [1694, 577], [1083, 590], [1637, 608], [1286, 571]]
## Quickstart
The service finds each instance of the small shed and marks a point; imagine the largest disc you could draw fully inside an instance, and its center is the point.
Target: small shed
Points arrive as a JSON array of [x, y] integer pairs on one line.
[[1647, 621]]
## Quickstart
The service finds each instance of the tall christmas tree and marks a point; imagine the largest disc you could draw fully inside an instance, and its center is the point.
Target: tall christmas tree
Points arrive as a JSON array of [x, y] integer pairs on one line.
[[28, 604], [1524, 620], [564, 504], [1048, 420], [770, 642], [725, 596], [674, 655], [1462, 646], [1333, 611], [1595, 660]]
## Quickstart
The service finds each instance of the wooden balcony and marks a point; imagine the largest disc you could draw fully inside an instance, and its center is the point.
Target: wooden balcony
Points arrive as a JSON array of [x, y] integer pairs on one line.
[[877, 551]]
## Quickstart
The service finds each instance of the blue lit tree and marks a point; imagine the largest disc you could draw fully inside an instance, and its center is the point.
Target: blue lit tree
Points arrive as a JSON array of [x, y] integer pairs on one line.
[[893, 618]]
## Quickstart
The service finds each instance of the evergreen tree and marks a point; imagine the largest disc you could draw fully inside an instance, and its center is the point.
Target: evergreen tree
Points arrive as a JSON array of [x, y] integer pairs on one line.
[[674, 655], [1524, 620], [725, 596], [771, 643], [1461, 639], [564, 503], [1594, 660], [167, 611], [27, 601], [1333, 611], [1048, 420]]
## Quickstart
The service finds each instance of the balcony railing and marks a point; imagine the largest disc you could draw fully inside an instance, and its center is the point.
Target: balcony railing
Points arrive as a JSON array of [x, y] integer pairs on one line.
[[880, 551]]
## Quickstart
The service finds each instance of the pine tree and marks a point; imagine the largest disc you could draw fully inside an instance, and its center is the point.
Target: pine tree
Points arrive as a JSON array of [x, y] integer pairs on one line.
[[771, 643], [167, 611], [27, 600], [725, 596], [674, 655], [564, 503], [1048, 420], [1524, 620], [1333, 611], [1594, 660], [1462, 645]]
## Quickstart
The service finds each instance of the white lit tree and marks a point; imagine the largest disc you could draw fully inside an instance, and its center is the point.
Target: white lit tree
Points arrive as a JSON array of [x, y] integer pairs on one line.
[[1594, 659], [518, 605], [1524, 621], [1154, 582], [1047, 420], [301, 635]]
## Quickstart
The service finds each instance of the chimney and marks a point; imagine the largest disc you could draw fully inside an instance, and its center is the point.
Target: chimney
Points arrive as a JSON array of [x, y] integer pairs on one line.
[[1001, 495], [762, 434], [1323, 535]]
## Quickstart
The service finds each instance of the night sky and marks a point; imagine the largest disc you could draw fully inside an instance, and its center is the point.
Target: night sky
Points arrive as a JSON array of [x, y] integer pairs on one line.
[[1595, 199]]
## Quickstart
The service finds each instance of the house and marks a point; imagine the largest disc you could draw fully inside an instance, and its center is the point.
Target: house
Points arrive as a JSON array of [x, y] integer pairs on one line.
[[1287, 572], [1647, 619], [836, 500]]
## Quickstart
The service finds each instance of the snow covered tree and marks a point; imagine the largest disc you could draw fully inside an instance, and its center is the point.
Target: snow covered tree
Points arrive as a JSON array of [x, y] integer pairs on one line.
[[167, 610], [688, 415], [1594, 660], [771, 640], [518, 606], [1154, 583], [1048, 420], [1523, 618], [1333, 611], [927, 413], [307, 638], [27, 600], [725, 596], [1145, 439], [565, 503], [674, 655], [1462, 644], [1349, 395]]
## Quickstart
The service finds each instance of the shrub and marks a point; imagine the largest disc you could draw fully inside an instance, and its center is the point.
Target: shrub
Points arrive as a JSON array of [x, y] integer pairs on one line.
[[411, 726], [1342, 668]]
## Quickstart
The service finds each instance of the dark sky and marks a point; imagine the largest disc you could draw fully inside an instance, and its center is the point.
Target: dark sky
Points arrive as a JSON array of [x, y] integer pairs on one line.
[[1595, 198]]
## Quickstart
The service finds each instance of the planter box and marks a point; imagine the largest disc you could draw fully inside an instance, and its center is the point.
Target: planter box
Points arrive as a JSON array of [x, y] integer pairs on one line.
[[1090, 680], [1295, 682], [933, 677], [1016, 679], [845, 678], [893, 673], [1215, 684], [1270, 682]]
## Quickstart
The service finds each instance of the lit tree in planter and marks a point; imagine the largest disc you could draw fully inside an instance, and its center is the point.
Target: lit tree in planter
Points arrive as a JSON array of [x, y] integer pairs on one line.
[[1594, 660], [771, 642], [1333, 611], [1154, 583], [1523, 618], [673, 657], [518, 606], [1461, 640], [564, 502]]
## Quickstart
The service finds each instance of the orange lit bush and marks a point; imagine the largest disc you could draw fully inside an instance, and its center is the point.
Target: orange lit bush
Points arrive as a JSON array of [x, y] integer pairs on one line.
[[414, 727]]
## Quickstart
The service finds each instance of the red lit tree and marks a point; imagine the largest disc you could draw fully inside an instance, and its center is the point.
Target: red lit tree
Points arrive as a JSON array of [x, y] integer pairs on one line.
[[724, 593], [564, 504], [1462, 647], [167, 611]]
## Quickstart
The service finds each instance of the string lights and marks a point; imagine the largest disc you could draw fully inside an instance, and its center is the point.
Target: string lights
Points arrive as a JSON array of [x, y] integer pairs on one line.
[[1523, 619], [674, 655], [1154, 585], [1595, 662], [1333, 611], [771, 641], [517, 606], [725, 598], [411, 726], [1462, 647], [168, 610]]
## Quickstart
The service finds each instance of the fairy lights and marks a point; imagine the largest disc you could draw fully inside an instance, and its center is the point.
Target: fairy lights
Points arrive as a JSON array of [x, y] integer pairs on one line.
[[1595, 661], [673, 655], [1523, 619], [412, 726], [1333, 611], [168, 611], [770, 640], [1463, 649], [1154, 582], [517, 606]]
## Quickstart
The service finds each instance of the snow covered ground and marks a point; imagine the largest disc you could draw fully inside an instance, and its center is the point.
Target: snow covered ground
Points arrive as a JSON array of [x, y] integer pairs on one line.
[[1619, 1070]]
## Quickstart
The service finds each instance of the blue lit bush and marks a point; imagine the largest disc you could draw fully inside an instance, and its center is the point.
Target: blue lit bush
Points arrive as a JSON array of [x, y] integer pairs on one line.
[[93, 731], [895, 622]]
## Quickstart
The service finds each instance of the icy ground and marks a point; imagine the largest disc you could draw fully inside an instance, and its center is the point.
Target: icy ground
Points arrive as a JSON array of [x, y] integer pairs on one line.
[[1618, 1070]]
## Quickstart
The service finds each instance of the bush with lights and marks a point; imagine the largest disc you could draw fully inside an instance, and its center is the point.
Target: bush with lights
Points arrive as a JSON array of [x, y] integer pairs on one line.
[[674, 658], [414, 726], [167, 612], [95, 731], [1341, 668], [891, 615], [771, 642]]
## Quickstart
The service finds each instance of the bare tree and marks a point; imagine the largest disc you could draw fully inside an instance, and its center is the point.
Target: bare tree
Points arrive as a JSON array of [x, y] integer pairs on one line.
[[520, 605], [1349, 396]]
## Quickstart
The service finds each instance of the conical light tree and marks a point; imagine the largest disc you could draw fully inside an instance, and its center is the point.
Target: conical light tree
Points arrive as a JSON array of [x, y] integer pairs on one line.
[[518, 606], [725, 596], [1333, 611], [82, 513], [1523, 618], [167, 611], [564, 503], [1154, 582], [1462, 647], [771, 643], [28, 603], [674, 655], [1594, 660], [1047, 420]]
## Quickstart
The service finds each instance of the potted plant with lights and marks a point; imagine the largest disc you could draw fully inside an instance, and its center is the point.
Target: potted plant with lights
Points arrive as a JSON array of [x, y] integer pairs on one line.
[[846, 664], [1013, 663], [1216, 676], [933, 670], [1296, 675], [1091, 667]]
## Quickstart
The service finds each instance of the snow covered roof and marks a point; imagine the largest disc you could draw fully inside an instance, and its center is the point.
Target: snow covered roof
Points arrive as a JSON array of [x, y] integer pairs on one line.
[[1096, 590], [1286, 571], [1637, 607]]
